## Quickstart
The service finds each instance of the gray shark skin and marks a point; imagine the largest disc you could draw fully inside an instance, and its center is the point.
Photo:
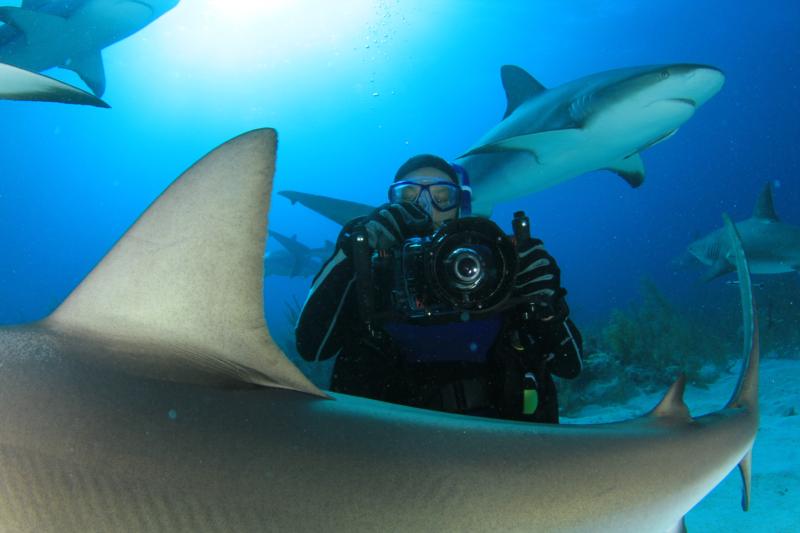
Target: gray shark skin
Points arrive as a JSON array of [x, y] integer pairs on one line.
[[20, 84], [601, 121], [296, 259], [72, 34], [153, 399], [339, 211], [771, 246]]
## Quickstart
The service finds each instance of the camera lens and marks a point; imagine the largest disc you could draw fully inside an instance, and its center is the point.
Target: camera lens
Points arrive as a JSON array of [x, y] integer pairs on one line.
[[465, 267]]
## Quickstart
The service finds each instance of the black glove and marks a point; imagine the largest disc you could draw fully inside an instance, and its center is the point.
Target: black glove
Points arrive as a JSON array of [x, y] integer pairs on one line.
[[538, 282], [391, 224]]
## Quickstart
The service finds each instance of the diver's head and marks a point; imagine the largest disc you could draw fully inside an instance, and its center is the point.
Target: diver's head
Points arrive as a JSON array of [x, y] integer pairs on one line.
[[430, 182]]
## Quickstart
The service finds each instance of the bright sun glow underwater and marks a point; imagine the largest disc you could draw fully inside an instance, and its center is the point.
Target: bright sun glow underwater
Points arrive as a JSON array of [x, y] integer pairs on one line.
[[234, 36]]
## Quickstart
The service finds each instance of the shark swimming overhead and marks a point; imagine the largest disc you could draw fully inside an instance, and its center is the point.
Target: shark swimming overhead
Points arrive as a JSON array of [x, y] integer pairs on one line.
[[20, 84], [771, 246], [339, 211], [154, 399], [72, 34], [601, 121]]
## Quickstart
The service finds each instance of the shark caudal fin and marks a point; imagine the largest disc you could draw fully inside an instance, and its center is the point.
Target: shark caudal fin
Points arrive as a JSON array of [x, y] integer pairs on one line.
[[179, 297], [745, 395], [21, 84]]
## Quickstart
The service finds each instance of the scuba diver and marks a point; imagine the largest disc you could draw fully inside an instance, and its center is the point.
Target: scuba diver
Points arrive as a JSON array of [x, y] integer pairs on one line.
[[498, 364]]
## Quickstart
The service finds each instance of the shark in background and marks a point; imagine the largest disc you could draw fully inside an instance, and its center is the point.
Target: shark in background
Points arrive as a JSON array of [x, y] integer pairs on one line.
[[771, 246], [21, 84], [72, 34], [547, 136], [296, 259], [154, 399], [601, 121]]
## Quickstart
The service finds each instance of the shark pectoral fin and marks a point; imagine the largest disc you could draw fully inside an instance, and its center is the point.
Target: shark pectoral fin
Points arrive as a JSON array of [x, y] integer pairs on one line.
[[34, 24], [180, 296], [90, 68], [20, 84], [720, 267], [631, 169], [543, 145], [745, 469]]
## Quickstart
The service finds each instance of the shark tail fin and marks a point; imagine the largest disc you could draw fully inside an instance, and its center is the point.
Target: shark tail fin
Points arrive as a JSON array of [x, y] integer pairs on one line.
[[180, 296], [746, 394]]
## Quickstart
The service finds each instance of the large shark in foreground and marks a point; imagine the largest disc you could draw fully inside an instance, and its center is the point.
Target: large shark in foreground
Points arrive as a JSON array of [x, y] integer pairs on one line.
[[20, 84], [154, 399], [601, 121], [73, 34], [771, 246]]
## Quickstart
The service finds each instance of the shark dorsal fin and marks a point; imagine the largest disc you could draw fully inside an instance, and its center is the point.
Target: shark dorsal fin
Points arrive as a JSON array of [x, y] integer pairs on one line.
[[180, 296], [519, 86], [765, 209], [672, 405]]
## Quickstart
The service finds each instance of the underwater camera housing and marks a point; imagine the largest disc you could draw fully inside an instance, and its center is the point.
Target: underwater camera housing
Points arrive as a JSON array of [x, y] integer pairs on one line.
[[466, 268]]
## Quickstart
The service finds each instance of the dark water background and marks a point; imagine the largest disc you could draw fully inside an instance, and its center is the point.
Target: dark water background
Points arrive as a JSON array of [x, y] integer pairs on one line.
[[354, 88]]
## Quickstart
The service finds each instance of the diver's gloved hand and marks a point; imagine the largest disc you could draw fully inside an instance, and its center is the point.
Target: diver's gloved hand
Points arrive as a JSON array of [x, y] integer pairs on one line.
[[538, 282], [391, 224]]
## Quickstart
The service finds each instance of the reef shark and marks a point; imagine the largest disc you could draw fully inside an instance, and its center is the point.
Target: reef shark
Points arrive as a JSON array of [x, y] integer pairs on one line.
[[154, 399], [296, 259], [771, 246], [21, 84], [72, 35], [601, 121], [339, 211]]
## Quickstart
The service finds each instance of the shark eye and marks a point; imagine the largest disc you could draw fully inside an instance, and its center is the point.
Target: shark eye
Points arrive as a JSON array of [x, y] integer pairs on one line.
[[664, 74]]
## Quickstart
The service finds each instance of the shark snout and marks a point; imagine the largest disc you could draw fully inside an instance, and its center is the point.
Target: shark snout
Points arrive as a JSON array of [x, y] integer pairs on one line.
[[698, 82]]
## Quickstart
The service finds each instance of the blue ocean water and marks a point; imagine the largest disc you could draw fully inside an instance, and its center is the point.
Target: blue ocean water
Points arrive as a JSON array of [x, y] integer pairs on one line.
[[355, 90], [356, 87]]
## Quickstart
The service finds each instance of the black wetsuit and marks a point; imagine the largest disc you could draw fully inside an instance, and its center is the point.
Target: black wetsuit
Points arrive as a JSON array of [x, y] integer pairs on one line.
[[411, 365]]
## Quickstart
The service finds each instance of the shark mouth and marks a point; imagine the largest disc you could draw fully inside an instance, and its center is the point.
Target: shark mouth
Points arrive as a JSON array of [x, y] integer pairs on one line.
[[687, 101]]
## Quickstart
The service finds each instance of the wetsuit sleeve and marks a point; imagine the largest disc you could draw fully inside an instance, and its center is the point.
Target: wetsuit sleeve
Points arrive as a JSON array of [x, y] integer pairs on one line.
[[329, 314], [561, 344]]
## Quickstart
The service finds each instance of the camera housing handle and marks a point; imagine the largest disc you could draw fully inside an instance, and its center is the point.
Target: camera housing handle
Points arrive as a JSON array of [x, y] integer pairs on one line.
[[362, 264]]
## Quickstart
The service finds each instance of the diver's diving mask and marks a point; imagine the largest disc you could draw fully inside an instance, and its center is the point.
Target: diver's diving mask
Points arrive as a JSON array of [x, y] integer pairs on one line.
[[444, 195]]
